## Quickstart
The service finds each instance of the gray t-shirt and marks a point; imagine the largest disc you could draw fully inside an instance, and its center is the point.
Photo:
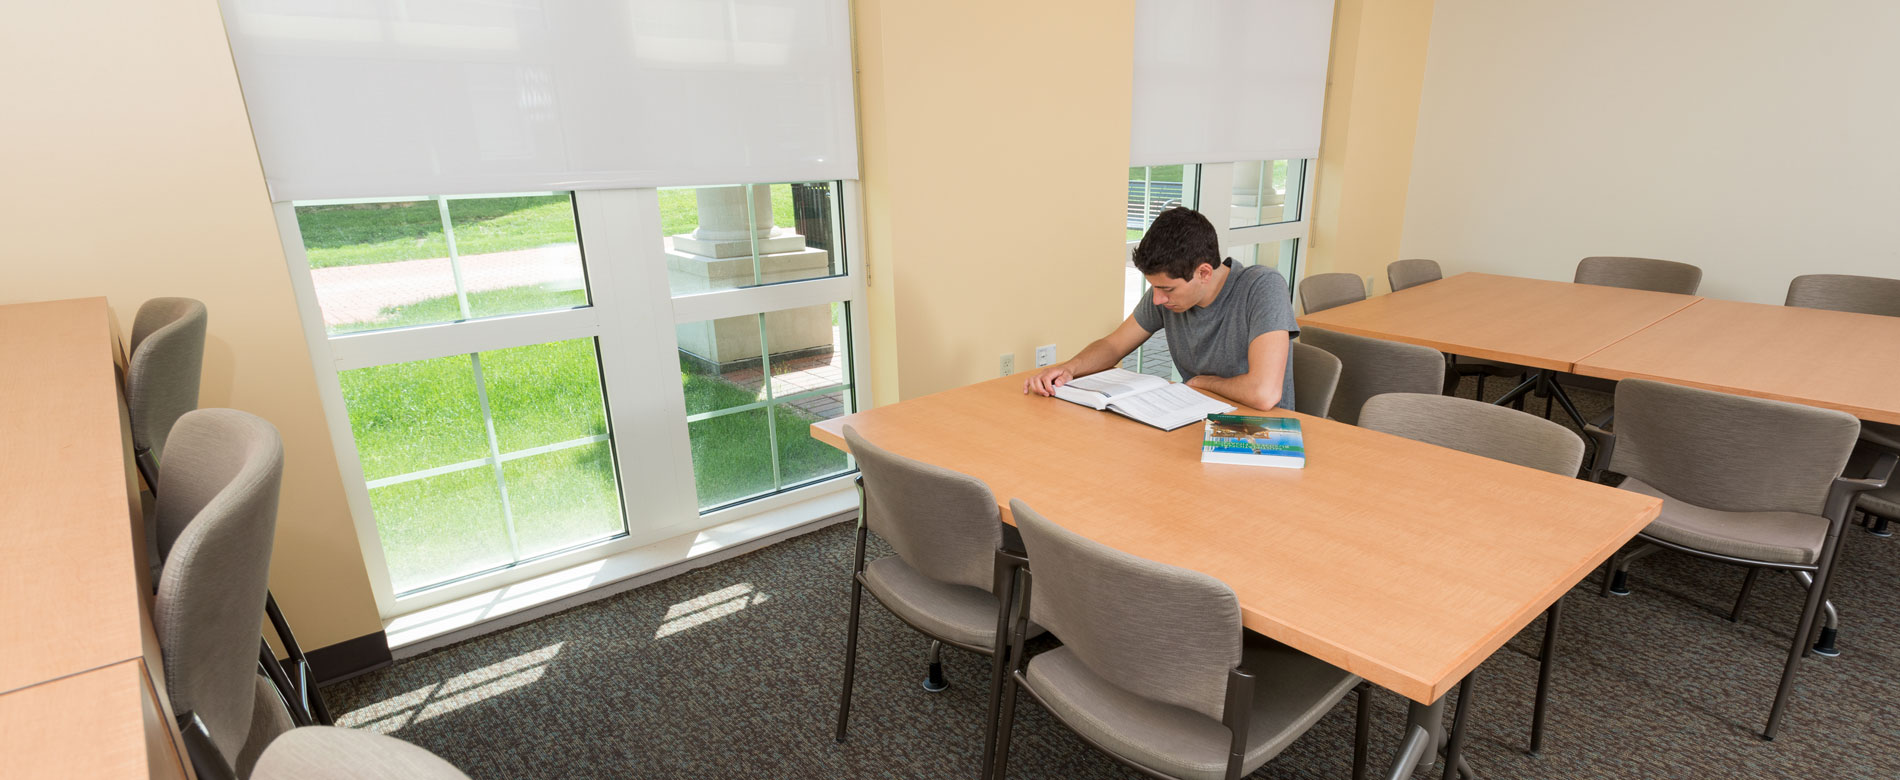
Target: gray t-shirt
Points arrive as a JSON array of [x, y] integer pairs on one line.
[[1213, 339]]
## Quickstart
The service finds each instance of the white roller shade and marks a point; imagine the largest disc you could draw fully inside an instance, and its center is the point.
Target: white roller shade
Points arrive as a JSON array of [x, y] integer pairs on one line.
[[1229, 80], [371, 98]]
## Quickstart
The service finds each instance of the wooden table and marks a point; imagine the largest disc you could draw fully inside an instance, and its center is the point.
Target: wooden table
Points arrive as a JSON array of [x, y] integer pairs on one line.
[[1829, 359], [78, 647], [1401, 562], [1530, 322]]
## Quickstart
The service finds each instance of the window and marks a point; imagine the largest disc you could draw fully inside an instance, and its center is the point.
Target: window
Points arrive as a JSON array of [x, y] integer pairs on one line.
[[525, 380], [1261, 221]]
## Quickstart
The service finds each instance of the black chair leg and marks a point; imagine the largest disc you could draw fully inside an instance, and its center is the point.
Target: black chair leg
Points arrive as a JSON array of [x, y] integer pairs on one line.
[[1748, 585], [933, 677], [1455, 746], [1809, 612], [851, 636], [1880, 525], [306, 695], [1003, 728], [1362, 729], [267, 662]]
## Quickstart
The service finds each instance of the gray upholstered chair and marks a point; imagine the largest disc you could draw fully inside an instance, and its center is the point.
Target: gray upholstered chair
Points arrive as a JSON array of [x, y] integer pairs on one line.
[[162, 374], [1744, 481], [325, 753], [1155, 668], [1882, 506], [1860, 295], [1639, 273], [1315, 379], [1320, 292], [1401, 274], [216, 519], [1372, 367], [1841, 292], [1493, 432], [947, 531]]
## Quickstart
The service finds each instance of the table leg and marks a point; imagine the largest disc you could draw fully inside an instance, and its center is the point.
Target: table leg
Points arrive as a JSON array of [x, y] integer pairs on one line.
[[1424, 731]]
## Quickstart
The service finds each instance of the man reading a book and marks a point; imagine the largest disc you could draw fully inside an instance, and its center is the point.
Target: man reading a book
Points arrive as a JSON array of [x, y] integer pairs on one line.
[[1229, 326]]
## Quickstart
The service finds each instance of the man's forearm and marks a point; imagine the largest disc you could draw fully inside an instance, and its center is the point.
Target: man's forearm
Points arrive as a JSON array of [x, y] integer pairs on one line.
[[1240, 389]]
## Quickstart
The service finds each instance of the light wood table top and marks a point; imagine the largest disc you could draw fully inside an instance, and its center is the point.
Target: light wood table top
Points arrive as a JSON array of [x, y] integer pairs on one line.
[[69, 587], [1401, 562], [101, 723], [1829, 359], [1532, 322]]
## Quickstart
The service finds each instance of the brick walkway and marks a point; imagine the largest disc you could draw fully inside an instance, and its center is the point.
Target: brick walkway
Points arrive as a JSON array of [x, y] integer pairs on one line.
[[799, 375]]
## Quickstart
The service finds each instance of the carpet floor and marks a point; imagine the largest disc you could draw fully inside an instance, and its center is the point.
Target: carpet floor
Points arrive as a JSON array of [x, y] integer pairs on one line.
[[732, 671]]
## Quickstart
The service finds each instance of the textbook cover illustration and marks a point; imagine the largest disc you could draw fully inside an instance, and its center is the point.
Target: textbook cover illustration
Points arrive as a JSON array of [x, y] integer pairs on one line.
[[1253, 441]]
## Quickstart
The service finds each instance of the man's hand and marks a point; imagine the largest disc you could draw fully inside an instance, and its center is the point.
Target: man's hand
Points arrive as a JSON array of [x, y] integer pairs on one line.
[[1046, 381]]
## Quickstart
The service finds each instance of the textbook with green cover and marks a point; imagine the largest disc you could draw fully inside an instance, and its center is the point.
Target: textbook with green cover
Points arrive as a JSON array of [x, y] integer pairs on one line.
[[1253, 441]]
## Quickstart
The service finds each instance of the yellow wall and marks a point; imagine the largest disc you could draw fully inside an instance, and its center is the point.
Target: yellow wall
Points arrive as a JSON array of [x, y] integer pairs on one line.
[[1365, 158], [130, 173], [994, 141]]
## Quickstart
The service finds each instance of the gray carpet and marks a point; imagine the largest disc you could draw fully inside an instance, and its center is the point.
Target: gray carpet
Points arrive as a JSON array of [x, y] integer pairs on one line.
[[732, 671]]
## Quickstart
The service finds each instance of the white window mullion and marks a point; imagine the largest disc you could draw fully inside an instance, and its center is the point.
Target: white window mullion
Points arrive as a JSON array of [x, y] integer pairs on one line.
[[403, 345], [335, 412], [753, 300], [646, 407]]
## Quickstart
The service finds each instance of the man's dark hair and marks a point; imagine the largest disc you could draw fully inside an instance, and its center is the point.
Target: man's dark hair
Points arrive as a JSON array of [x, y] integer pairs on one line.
[[1178, 242]]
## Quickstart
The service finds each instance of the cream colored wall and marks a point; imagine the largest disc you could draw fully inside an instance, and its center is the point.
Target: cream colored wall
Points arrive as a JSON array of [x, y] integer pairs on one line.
[[1372, 98], [1755, 139], [994, 156], [130, 173]]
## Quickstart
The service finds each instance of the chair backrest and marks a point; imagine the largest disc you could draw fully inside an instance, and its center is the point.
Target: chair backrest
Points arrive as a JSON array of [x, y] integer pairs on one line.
[[163, 371], [330, 753], [1412, 273], [1639, 273], [1840, 292], [1371, 367], [1496, 432], [1320, 292], [944, 524], [1729, 452], [1315, 379], [1160, 632], [217, 517]]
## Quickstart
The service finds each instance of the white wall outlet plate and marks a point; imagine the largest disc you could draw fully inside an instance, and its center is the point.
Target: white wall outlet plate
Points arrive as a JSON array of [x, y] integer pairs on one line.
[[1007, 364], [1045, 355]]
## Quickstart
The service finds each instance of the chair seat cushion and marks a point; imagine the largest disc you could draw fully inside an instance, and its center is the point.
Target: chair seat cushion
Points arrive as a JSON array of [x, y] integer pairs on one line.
[[953, 613], [1884, 502], [1292, 691], [1770, 537]]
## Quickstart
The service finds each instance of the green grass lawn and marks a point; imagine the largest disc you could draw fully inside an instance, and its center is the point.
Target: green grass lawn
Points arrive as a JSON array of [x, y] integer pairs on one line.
[[413, 416], [365, 233]]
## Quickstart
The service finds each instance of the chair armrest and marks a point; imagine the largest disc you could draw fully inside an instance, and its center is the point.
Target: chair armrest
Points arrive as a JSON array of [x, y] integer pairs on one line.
[[1605, 442], [1840, 499]]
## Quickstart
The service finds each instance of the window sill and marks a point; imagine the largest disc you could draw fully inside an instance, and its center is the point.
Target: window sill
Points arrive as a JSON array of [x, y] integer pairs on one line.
[[504, 607]]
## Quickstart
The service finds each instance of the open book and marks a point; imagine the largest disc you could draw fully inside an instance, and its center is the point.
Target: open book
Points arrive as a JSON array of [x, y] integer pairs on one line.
[[1149, 399]]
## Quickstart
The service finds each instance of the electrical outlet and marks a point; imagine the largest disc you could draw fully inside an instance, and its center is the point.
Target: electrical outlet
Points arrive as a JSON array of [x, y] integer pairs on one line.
[[1008, 364], [1045, 355]]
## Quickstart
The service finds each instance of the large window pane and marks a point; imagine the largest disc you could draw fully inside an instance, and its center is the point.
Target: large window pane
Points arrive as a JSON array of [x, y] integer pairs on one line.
[[1277, 255], [734, 236], [395, 264], [732, 457], [564, 498], [544, 394], [430, 434], [439, 528], [1266, 192], [409, 417], [800, 457], [1154, 188], [754, 385]]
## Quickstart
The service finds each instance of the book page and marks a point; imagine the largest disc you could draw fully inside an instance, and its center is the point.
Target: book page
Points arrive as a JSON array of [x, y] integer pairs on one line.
[[1170, 407]]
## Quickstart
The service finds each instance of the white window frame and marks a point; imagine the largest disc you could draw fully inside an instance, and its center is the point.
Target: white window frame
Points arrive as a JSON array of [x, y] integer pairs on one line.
[[631, 319], [1219, 178]]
